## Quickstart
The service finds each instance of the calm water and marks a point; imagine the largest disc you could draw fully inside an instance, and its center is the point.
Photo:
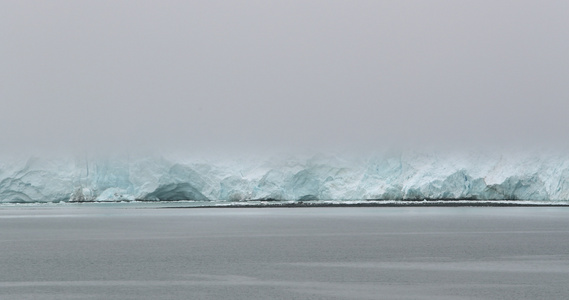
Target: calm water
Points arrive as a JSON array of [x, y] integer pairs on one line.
[[284, 253]]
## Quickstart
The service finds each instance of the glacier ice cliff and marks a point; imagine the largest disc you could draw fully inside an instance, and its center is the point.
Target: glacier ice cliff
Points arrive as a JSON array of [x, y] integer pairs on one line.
[[395, 176]]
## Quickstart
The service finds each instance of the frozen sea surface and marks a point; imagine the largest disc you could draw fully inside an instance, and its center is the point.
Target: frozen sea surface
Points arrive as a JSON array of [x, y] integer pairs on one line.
[[89, 252]]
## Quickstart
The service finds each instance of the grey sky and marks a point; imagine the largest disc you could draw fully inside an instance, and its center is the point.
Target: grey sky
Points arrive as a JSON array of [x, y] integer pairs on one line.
[[207, 74]]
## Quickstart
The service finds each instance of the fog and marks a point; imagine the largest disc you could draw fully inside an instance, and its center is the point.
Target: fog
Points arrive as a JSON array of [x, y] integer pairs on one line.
[[241, 75]]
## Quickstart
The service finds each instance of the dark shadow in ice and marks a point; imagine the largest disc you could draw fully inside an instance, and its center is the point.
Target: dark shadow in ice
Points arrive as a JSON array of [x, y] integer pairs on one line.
[[176, 191]]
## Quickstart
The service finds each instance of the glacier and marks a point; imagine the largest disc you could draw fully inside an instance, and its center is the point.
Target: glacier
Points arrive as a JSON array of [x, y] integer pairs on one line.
[[388, 176]]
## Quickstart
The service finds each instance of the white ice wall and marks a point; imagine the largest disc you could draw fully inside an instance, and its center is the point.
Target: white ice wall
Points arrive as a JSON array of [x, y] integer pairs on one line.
[[407, 175]]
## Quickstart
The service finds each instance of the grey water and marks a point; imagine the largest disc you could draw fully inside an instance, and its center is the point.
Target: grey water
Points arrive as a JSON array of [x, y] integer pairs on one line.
[[137, 252]]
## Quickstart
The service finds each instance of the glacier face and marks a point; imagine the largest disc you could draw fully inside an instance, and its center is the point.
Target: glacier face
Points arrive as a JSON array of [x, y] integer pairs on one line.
[[395, 176]]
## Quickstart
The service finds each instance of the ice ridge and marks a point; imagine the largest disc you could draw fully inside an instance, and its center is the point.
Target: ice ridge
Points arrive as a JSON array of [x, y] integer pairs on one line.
[[396, 176]]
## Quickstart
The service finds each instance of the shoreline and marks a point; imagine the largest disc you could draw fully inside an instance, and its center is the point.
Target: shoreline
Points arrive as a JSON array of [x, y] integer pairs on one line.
[[411, 204], [294, 204]]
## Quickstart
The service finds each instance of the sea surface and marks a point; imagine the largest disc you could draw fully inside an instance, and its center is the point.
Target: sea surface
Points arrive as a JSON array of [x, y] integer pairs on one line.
[[147, 252]]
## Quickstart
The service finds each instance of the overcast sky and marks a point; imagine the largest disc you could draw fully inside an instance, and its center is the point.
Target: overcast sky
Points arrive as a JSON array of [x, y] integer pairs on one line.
[[224, 74]]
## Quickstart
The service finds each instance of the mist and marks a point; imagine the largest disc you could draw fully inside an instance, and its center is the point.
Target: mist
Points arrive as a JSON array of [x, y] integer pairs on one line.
[[263, 75]]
